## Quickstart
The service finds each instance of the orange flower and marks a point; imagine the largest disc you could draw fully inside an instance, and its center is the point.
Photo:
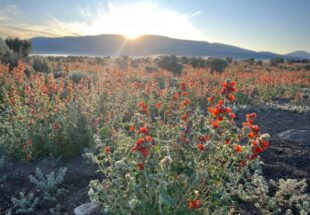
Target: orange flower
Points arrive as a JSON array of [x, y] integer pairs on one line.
[[158, 106], [132, 128], [238, 148], [194, 204], [251, 135], [200, 146], [144, 130], [215, 124], [231, 97]]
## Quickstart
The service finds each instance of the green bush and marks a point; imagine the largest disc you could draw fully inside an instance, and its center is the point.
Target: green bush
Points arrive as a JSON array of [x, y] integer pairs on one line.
[[170, 63], [40, 64], [216, 64], [77, 76]]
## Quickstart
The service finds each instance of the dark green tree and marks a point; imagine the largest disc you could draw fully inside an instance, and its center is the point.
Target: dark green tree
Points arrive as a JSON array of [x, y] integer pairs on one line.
[[21, 48]]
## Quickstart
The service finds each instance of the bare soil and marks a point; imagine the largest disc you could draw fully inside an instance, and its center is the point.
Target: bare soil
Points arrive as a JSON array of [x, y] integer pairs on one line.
[[282, 160]]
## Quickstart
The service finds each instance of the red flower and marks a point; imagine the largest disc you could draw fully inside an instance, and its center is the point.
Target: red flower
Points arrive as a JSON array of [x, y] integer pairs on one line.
[[215, 124], [140, 141], [132, 128], [238, 148], [183, 85], [200, 146], [251, 135], [107, 149], [254, 143], [141, 166], [231, 97], [265, 144], [149, 139], [142, 104], [144, 151], [194, 204], [232, 115], [158, 106], [258, 150], [184, 117], [144, 130]]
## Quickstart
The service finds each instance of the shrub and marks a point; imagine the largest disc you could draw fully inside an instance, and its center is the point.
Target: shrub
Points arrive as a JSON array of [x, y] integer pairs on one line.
[[170, 63], [276, 61], [216, 64], [6, 55], [77, 76], [40, 64], [25, 204], [49, 184], [180, 162]]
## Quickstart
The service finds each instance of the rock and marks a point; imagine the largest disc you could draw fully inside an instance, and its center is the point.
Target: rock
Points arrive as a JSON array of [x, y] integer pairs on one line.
[[86, 209], [301, 136]]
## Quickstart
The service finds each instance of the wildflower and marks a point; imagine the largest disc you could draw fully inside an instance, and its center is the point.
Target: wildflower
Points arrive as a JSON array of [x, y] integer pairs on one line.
[[158, 106], [215, 124], [251, 117], [186, 102], [200, 146], [132, 128], [258, 150], [184, 93], [232, 115], [141, 166], [254, 143], [231, 97], [149, 139], [194, 204], [144, 130], [183, 85], [107, 149], [238, 148], [184, 117], [251, 135]]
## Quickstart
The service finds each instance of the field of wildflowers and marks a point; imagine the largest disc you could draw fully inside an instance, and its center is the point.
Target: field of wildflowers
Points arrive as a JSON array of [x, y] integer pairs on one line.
[[163, 144]]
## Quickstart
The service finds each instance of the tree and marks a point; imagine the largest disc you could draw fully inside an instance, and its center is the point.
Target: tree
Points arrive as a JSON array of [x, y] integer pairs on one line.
[[6, 55], [21, 48]]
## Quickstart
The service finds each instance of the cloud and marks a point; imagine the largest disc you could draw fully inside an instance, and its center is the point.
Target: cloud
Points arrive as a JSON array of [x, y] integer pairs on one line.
[[128, 19]]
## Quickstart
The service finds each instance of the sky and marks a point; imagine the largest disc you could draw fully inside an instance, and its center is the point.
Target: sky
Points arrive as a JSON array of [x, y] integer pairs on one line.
[[280, 26]]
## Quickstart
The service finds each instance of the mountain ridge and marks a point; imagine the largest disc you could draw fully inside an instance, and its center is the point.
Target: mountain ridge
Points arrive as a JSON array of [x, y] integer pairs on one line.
[[145, 45]]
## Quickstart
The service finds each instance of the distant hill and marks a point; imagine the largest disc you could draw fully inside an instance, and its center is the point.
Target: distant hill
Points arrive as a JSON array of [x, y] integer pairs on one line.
[[117, 45], [299, 54]]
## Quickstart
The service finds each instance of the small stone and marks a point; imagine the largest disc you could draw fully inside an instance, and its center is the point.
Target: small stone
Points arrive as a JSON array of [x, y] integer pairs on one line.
[[86, 209]]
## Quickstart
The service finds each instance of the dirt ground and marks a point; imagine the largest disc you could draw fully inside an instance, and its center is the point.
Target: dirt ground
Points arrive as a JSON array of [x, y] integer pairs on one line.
[[282, 160]]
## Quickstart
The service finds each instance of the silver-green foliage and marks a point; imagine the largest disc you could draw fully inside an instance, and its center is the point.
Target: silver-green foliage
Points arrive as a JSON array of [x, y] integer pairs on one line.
[[49, 184], [25, 203]]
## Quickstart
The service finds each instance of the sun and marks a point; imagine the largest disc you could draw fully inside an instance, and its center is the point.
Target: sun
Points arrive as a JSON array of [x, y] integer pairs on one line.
[[141, 18], [131, 35]]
